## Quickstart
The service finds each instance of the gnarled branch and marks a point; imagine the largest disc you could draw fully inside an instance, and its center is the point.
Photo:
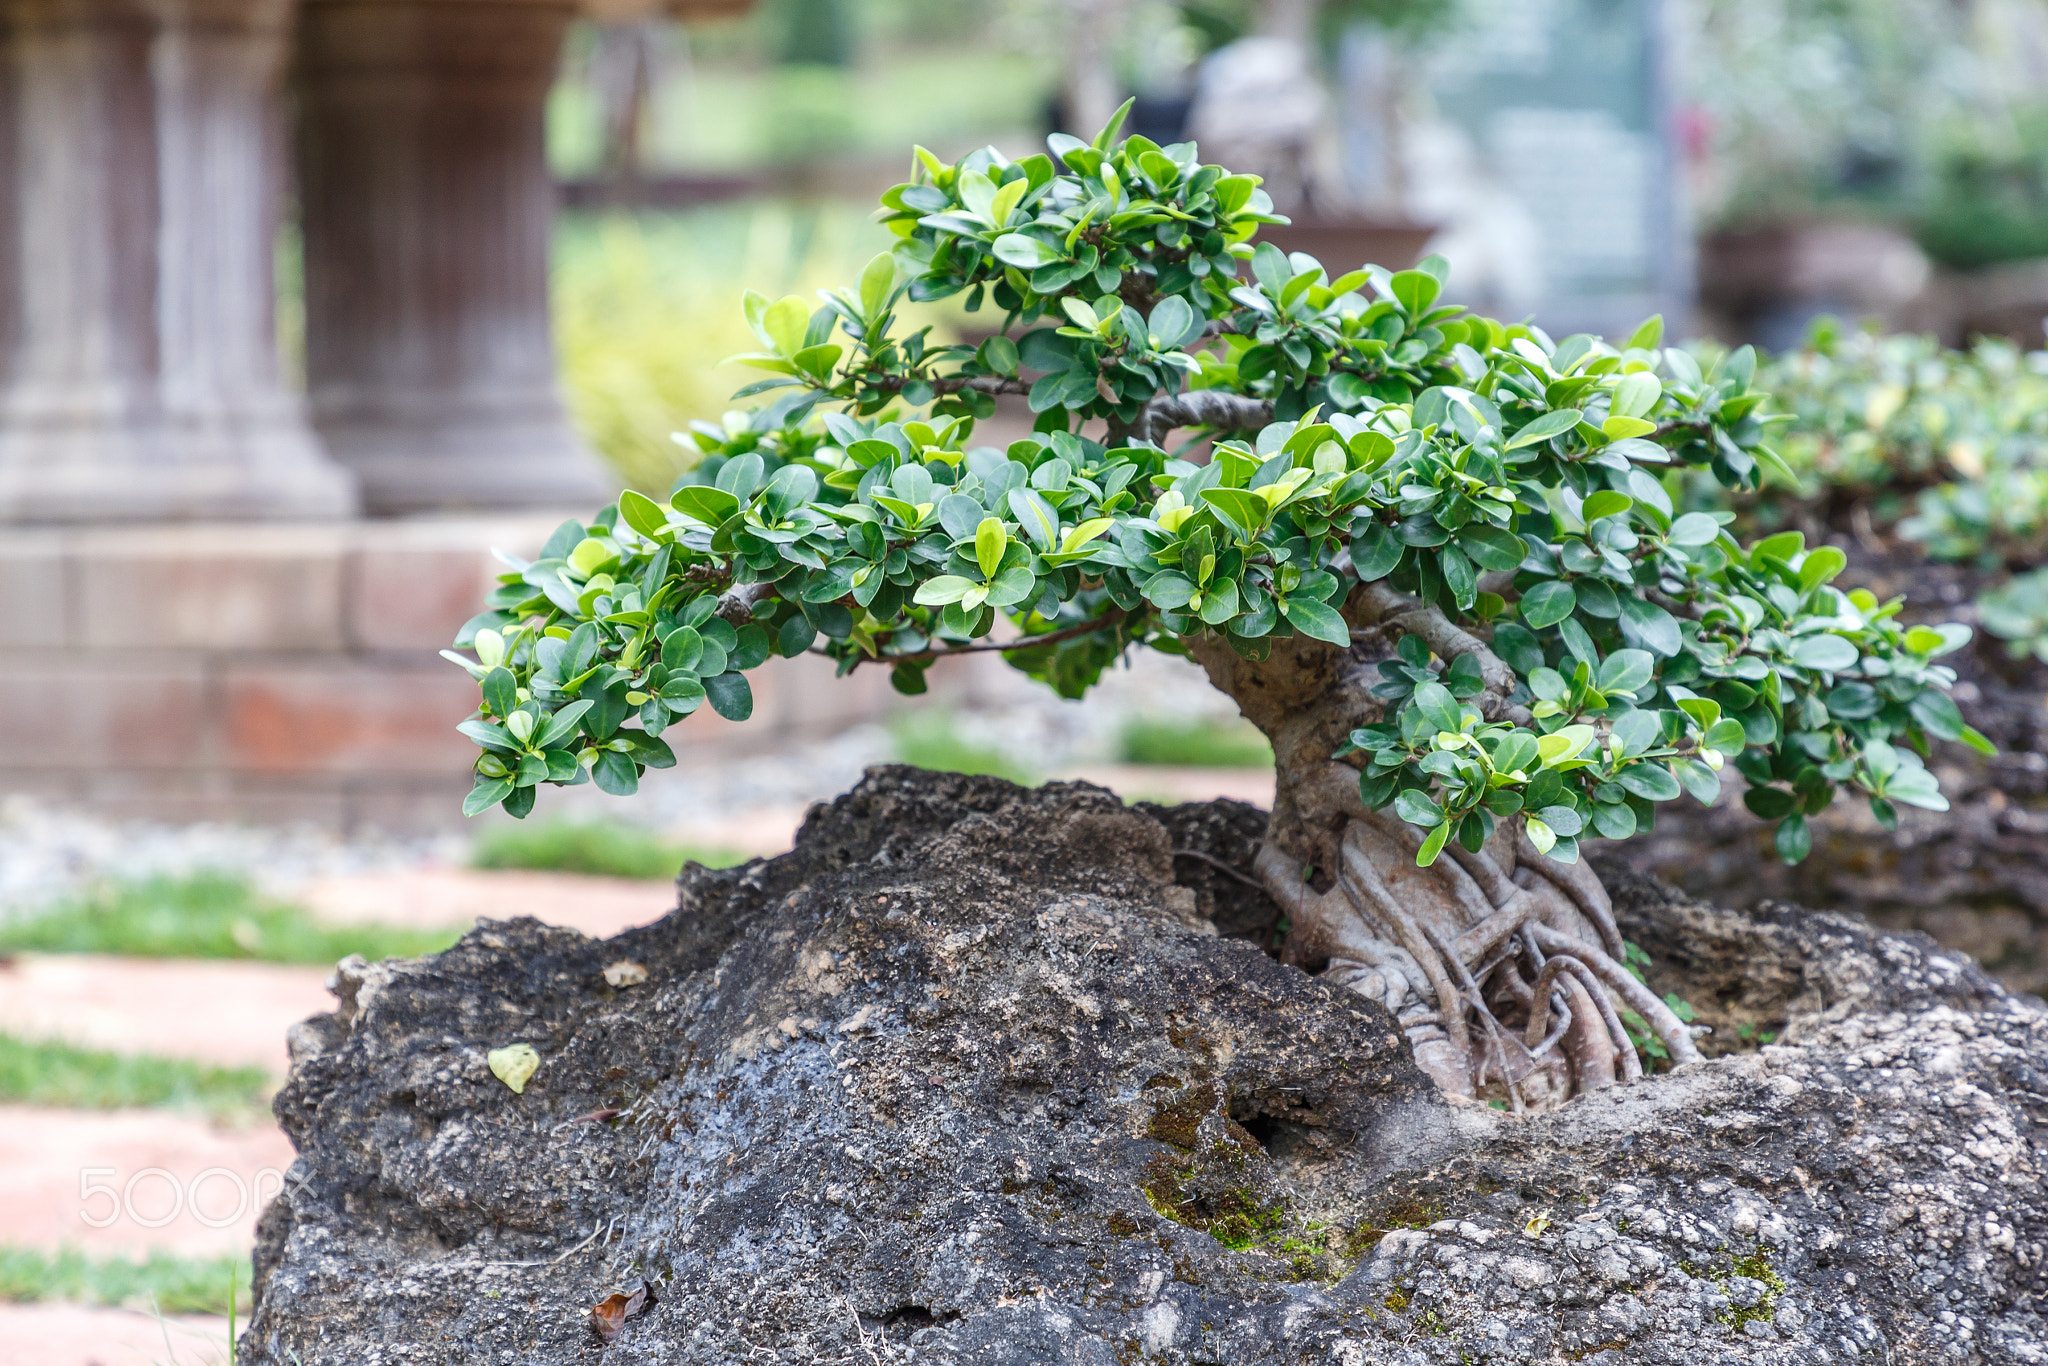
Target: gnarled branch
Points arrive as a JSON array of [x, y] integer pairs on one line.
[[1383, 607]]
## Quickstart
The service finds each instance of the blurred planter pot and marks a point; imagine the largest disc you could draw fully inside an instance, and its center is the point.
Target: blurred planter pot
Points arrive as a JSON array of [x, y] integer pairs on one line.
[[1345, 243], [632, 11], [1766, 283], [426, 205]]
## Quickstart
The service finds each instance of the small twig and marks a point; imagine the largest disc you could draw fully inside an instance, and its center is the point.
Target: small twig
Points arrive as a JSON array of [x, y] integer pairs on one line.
[[603, 1228], [1107, 619], [948, 384], [594, 1117], [1221, 866]]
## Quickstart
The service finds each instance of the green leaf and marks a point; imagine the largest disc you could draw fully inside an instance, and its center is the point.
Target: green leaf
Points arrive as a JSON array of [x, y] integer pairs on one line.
[[1727, 736], [943, 589], [1937, 714], [1103, 139], [1374, 553], [1626, 671], [1646, 337], [1647, 626], [991, 540], [817, 361], [1563, 746], [1606, 503], [786, 320], [616, 774], [704, 503], [1242, 508], [877, 282], [1438, 707], [1316, 620], [1827, 652], [1614, 820], [1417, 807], [1415, 291], [1492, 548], [1433, 846], [487, 793], [1699, 779], [1819, 566], [562, 724], [1516, 752], [1545, 427], [1007, 196], [1794, 840], [1769, 803], [1563, 820], [1694, 529], [1649, 780], [642, 513], [501, 692], [731, 696], [1548, 603], [1025, 253], [1036, 518], [1635, 395]]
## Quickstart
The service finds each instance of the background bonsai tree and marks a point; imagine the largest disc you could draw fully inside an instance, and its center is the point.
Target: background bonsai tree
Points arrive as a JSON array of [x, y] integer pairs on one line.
[[1432, 557]]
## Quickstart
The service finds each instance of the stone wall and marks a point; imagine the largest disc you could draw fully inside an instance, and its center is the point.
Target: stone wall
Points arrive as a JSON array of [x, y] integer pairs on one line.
[[283, 673]]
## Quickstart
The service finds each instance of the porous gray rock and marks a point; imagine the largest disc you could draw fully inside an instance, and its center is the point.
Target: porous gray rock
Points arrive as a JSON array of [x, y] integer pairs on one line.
[[970, 1077]]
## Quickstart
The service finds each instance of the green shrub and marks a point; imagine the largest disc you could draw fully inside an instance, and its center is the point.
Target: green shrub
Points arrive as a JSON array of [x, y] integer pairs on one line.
[[601, 849], [74, 1078], [932, 739], [2017, 612], [207, 915], [1195, 744], [1950, 447]]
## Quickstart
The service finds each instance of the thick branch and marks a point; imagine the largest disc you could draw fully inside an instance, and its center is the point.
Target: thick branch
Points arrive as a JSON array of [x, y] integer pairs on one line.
[[1204, 408], [1384, 607], [737, 605], [949, 384]]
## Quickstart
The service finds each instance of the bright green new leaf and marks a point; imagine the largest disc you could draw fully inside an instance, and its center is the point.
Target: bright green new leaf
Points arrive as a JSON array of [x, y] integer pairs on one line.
[[1545, 427], [991, 540], [786, 321]]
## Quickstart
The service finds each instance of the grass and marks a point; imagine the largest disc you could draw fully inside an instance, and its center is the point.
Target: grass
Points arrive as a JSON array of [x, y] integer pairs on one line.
[[206, 915], [1195, 744], [40, 1072], [929, 739], [172, 1285], [602, 849]]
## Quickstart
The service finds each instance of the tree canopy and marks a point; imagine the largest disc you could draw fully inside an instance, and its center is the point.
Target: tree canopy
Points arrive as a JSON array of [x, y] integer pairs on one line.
[[1231, 443]]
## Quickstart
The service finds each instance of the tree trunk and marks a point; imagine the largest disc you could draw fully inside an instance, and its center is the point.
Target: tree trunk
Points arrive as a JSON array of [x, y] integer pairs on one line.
[[1503, 967]]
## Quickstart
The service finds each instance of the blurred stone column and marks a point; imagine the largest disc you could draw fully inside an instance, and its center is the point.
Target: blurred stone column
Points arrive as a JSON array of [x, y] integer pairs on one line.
[[426, 204], [138, 371]]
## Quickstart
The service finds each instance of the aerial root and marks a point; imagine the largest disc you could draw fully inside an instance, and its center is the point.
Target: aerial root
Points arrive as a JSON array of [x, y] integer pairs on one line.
[[1495, 980]]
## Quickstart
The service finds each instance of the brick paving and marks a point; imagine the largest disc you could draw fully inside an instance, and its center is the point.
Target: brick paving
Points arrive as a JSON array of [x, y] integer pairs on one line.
[[78, 1335]]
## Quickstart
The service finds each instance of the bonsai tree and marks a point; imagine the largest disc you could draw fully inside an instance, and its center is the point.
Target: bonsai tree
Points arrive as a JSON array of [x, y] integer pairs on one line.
[[1430, 555]]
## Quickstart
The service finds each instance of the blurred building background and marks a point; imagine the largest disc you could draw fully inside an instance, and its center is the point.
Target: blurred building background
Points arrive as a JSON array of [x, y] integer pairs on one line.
[[304, 306]]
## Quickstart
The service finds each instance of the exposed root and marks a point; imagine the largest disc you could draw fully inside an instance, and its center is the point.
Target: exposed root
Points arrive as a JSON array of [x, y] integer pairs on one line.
[[1500, 967]]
